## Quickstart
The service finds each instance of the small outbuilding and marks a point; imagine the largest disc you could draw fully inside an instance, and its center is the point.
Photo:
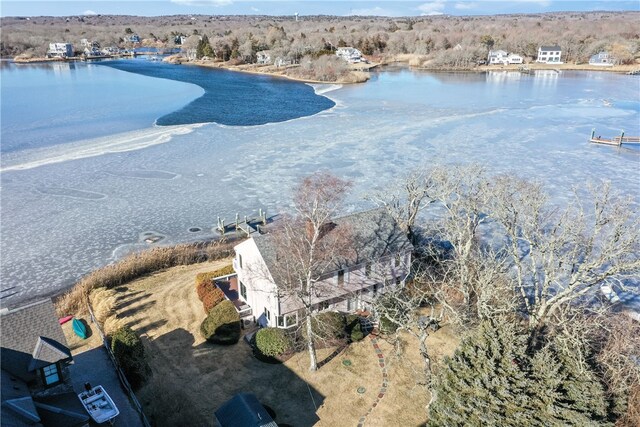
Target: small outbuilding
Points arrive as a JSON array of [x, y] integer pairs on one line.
[[602, 59], [243, 410]]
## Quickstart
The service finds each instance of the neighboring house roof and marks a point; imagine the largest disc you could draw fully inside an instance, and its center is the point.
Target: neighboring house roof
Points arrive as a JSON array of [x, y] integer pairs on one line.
[[550, 48], [62, 410], [373, 235], [244, 410], [31, 338], [18, 408]]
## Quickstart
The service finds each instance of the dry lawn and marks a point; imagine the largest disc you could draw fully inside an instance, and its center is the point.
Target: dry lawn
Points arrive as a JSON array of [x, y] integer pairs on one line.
[[191, 378]]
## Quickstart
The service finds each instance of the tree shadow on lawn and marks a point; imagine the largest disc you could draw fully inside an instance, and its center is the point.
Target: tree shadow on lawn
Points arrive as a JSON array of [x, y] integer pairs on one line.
[[211, 374]]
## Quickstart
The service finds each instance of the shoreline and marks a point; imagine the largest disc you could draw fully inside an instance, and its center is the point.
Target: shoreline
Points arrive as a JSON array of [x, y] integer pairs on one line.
[[268, 71]]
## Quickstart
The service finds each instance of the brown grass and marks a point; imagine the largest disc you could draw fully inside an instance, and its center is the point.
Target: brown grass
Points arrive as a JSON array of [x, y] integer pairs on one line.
[[164, 309], [137, 265]]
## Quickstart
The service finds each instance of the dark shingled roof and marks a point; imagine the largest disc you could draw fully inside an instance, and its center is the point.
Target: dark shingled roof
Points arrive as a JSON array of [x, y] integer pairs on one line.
[[31, 338], [550, 48], [244, 410], [373, 234]]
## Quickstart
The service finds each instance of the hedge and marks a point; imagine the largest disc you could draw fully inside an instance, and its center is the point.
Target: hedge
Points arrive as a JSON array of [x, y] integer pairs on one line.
[[129, 353], [222, 325], [273, 342], [212, 298], [354, 328], [203, 288], [210, 275]]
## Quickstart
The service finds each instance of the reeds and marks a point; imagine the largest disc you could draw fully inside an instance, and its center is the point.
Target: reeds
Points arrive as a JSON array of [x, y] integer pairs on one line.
[[137, 265]]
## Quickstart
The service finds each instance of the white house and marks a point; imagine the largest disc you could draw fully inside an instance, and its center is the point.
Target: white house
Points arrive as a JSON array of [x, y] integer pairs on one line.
[[378, 256], [513, 58], [497, 57], [503, 58], [349, 54], [602, 59], [263, 57], [60, 50], [549, 55], [282, 61]]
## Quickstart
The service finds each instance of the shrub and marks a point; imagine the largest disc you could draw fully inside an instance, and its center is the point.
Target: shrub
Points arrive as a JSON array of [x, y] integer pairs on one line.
[[327, 326], [203, 288], [353, 328], [273, 342], [387, 326], [129, 353], [222, 325], [203, 280], [212, 298]]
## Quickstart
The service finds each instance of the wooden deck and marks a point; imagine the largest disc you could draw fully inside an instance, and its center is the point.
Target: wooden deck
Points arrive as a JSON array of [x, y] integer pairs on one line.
[[617, 141]]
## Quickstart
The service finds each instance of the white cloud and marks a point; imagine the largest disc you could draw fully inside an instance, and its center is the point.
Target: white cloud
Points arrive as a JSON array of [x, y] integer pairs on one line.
[[465, 6], [373, 11], [89, 12], [255, 9], [216, 3], [432, 8]]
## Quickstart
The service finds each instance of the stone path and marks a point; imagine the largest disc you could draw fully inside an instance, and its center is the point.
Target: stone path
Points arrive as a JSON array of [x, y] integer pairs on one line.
[[385, 380]]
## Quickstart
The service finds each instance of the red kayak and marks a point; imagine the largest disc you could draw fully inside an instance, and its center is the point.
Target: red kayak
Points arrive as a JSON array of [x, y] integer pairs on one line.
[[65, 319]]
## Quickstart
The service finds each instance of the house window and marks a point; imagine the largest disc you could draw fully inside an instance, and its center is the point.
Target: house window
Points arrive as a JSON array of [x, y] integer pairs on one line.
[[50, 374], [367, 270], [340, 277], [323, 305], [243, 291], [280, 320], [240, 260], [291, 320], [267, 314]]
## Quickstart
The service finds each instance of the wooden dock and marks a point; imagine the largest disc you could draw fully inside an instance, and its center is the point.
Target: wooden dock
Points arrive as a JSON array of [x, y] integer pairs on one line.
[[616, 141]]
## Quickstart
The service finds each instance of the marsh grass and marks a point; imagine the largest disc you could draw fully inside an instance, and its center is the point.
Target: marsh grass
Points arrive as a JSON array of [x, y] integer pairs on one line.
[[137, 265]]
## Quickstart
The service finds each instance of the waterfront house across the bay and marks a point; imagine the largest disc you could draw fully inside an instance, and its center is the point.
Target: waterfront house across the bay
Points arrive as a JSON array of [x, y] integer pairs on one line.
[[602, 59], [349, 54], [378, 255], [549, 55], [60, 50]]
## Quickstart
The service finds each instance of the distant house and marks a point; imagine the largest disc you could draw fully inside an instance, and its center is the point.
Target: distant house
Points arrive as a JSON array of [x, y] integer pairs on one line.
[[603, 59], [263, 57], [549, 55], [60, 50], [349, 54], [282, 61], [497, 57], [243, 410], [133, 38], [35, 382], [378, 256], [502, 57], [457, 47], [180, 39]]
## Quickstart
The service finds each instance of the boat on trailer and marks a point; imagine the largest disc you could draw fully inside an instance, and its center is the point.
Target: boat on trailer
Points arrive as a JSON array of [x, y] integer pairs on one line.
[[99, 404]]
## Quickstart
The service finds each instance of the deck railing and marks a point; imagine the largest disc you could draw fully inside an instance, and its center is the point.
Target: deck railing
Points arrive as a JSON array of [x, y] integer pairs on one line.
[[123, 379]]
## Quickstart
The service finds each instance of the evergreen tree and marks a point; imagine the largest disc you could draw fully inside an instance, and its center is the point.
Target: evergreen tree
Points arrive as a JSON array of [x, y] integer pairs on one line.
[[491, 380]]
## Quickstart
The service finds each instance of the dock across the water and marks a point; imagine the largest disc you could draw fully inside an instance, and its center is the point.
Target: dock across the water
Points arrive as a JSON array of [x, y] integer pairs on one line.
[[616, 141]]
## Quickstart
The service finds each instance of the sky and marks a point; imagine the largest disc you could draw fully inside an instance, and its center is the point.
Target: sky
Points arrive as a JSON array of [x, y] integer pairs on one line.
[[303, 7]]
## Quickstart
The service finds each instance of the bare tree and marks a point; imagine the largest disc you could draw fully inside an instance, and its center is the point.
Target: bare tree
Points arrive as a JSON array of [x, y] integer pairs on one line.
[[305, 248], [562, 257]]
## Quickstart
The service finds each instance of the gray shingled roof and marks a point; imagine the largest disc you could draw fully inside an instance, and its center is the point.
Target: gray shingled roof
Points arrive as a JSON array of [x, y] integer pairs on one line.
[[31, 336], [550, 48], [244, 410], [373, 233]]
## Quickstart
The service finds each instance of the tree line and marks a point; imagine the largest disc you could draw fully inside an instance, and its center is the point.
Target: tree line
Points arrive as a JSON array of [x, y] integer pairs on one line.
[[453, 41]]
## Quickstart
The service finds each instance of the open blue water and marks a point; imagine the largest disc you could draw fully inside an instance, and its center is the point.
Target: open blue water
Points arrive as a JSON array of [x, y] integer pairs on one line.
[[231, 98], [69, 208]]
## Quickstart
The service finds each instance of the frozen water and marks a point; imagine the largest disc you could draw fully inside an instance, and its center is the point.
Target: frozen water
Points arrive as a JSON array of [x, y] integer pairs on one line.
[[62, 219]]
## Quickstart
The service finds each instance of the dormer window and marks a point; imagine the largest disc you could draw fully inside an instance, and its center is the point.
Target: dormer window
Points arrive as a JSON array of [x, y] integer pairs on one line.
[[51, 374]]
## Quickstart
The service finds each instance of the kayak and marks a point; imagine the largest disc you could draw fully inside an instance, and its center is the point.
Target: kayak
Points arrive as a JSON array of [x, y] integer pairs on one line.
[[79, 328], [64, 320]]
